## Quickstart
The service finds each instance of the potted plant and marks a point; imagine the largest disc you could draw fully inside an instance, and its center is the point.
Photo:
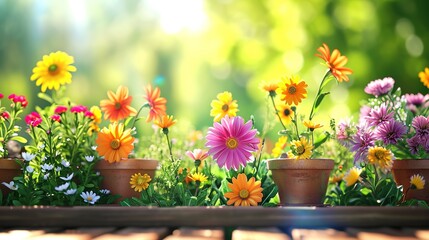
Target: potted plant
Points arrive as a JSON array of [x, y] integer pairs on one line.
[[116, 143], [302, 181], [9, 147], [58, 162], [392, 135]]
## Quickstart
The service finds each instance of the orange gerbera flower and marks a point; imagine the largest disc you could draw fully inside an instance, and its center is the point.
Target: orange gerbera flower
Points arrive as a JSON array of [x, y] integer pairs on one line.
[[311, 125], [335, 63], [244, 193], [293, 90], [270, 87], [118, 106], [114, 143], [165, 122], [424, 77], [157, 103]]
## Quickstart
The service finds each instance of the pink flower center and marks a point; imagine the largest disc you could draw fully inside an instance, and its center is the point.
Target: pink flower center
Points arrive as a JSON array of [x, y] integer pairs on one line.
[[232, 143]]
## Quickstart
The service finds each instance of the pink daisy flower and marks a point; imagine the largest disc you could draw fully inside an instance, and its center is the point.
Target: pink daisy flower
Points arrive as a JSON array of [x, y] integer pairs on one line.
[[197, 154], [231, 142]]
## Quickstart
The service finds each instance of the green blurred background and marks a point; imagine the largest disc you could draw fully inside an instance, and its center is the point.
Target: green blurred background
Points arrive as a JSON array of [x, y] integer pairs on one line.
[[194, 49]]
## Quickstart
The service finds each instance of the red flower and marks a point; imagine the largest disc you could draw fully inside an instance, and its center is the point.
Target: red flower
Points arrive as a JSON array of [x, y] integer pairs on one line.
[[78, 109], [56, 118], [1, 96], [5, 115], [89, 114], [33, 119], [60, 109]]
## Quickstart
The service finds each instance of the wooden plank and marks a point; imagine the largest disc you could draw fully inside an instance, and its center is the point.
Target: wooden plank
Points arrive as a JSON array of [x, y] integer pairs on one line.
[[211, 233], [320, 234], [297, 217], [381, 234], [272, 233], [133, 233]]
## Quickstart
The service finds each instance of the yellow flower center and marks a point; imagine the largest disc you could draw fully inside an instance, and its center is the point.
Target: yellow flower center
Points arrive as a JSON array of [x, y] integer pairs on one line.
[[380, 155], [232, 143], [244, 194], [117, 106], [291, 90], [225, 108], [115, 144], [300, 150], [53, 68], [89, 198]]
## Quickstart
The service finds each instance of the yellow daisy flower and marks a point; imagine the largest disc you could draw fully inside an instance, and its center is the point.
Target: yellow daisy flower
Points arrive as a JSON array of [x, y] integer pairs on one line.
[[279, 146], [243, 192], [53, 71], [302, 148], [336, 178], [96, 119], [139, 182], [424, 77], [224, 105], [417, 182], [198, 177], [311, 125], [381, 157], [292, 90], [352, 176], [286, 113]]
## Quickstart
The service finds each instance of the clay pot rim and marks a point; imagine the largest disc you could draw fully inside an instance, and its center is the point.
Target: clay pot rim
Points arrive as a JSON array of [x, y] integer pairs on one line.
[[10, 163], [128, 163], [411, 164], [288, 163]]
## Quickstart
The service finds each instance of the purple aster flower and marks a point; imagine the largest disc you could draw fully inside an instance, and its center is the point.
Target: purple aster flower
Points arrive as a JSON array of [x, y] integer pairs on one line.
[[390, 132], [362, 141], [415, 101], [232, 142], [379, 115], [364, 113], [380, 86], [414, 144], [421, 125], [345, 132]]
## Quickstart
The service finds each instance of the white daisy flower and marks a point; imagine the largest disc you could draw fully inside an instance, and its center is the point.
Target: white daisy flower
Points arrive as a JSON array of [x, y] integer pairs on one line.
[[105, 191], [68, 178], [29, 169], [28, 156], [10, 185], [94, 148], [89, 158], [47, 167], [65, 163], [62, 187], [70, 191], [46, 176], [89, 197], [58, 169]]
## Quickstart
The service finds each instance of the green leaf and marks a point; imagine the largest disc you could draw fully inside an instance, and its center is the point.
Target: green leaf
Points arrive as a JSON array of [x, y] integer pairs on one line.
[[319, 100], [45, 97], [19, 139]]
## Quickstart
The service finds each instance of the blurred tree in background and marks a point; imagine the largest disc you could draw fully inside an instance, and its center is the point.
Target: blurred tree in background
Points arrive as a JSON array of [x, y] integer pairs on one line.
[[194, 49]]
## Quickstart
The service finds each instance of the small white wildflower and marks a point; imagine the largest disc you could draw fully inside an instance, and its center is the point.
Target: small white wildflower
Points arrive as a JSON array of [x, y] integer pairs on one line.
[[62, 187], [58, 169], [68, 178], [44, 158], [28, 156], [65, 163], [89, 158], [1, 149], [105, 191], [89, 197], [70, 191], [94, 148], [46, 176], [97, 173], [10, 185], [47, 167], [29, 169], [14, 134], [42, 146]]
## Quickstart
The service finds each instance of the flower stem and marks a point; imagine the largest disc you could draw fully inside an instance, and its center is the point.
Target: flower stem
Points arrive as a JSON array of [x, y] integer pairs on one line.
[[319, 91], [169, 146], [277, 112]]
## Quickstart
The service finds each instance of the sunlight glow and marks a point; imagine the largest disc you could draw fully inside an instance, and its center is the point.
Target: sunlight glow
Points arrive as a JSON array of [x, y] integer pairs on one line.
[[175, 16]]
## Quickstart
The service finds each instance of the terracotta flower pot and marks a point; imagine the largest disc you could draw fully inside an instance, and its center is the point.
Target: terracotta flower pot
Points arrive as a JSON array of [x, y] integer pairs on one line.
[[116, 176], [302, 181], [9, 169], [402, 170]]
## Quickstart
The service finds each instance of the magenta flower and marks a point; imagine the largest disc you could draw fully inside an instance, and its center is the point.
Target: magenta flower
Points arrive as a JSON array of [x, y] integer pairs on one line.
[[89, 114], [380, 86], [390, 132], [345, 132], [362, 141], [379, 115], [78, 109], [416, 101], [60, 109], [56, 118], [1, 96], [421, 125], [197, 154], [33, 119], [232, 142], [5, 115]]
